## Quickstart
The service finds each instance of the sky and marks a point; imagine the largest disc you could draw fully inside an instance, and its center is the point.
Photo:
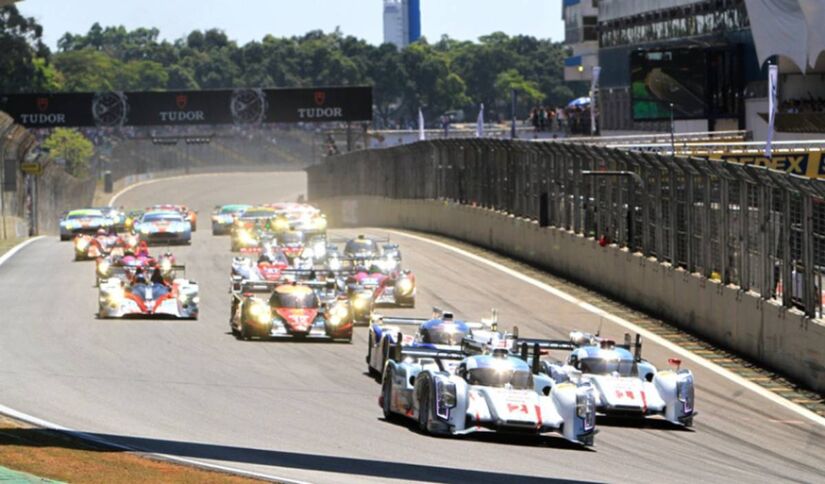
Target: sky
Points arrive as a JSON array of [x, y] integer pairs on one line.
[[253, 19]]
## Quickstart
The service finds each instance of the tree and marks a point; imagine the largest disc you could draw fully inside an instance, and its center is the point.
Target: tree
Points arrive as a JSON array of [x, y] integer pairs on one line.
[[20, 38], [528, 91], [73, 148], [87, 70]]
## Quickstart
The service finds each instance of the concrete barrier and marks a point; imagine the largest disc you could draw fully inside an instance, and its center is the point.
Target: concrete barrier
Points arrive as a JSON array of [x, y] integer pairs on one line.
[[778, 338]]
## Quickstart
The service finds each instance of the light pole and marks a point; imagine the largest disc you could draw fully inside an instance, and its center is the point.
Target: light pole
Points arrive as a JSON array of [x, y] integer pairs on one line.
[[672, 132]]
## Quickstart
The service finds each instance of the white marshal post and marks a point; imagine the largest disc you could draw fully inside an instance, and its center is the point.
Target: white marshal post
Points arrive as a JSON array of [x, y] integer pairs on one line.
[[480, 122], [421, 135], [773, 80], [594, 96]]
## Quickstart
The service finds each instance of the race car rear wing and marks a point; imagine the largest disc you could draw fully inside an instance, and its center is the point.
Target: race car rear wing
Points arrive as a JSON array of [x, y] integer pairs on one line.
[[399, 352], [531, 349]]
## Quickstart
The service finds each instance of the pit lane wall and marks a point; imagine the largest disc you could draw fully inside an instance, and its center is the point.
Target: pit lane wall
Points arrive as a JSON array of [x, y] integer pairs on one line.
[[777, 337]]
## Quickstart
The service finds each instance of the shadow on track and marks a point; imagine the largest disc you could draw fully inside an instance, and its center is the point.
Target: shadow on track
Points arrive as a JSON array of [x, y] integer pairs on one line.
[[546, 441], [640, 423], [265, 457]]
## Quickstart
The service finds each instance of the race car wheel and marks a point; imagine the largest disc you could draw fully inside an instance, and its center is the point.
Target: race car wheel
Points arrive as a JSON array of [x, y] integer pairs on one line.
[[245, 336], [385, 355], [386, 395], [64, 238], [424, 408]]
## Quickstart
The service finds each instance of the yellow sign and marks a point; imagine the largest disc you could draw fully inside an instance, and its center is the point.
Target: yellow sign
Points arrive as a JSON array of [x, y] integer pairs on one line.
[[808, 164], [32, 168]]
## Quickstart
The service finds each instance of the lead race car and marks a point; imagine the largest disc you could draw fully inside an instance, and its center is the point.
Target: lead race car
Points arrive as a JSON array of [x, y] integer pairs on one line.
[[139, 296], [625, 384], [494, 392]]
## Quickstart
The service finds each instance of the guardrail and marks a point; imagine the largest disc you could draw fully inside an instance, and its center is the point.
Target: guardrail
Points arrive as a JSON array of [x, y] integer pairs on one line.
[[759, 229]]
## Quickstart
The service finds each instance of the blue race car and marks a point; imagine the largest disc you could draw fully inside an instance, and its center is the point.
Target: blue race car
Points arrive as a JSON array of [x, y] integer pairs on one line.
[[164, 227]]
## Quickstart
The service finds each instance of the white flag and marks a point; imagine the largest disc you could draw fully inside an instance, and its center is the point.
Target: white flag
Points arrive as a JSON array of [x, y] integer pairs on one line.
[[421, 135], [480, 122], [594, 95], [773, 76]]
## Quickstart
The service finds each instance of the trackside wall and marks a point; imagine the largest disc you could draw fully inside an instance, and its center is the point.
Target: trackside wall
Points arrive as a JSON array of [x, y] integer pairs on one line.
[[778, 337]]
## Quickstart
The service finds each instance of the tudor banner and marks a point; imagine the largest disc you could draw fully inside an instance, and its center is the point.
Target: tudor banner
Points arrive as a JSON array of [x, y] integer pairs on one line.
[[226, 106]]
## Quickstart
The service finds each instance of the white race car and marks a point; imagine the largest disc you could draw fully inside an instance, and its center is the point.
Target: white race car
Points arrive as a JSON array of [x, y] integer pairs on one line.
[[625, 384], [494, 392]]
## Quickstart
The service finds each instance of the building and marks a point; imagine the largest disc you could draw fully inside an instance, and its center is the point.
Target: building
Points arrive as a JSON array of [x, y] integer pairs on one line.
[[402, 22], [582, 37]]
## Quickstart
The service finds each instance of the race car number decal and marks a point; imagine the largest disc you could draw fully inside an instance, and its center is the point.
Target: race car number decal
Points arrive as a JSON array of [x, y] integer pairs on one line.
[[518, 407]]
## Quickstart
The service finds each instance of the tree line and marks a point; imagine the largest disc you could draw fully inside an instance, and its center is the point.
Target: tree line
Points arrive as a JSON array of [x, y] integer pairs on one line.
[[443, 76]]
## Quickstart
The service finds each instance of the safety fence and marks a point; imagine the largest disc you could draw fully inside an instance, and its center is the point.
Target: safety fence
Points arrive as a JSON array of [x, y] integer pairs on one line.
[[759, 229]]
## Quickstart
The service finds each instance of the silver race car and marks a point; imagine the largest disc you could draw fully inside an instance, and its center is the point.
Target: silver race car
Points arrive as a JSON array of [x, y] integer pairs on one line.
[[625, 384], [494, 392]]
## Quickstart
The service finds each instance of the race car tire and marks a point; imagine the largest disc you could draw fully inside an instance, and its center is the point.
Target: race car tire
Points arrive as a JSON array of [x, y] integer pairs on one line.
[[385, 355], [386, 394], [245, 336], [234, 247], [194, 226], [64, 238], [424, 408]]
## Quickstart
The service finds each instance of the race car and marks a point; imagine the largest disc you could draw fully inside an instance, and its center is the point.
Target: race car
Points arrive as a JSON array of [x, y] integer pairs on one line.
[[291, 243], [625, 384], [83, 221], [117, 216], [269, 267], [224, 216], [441, 331], [132, 216], [291, 310], [164, 227], [362, 248], [126, 265], [254, 227], [90, 247], [396, 288], [142, 296], [494, 392], [189, 215]]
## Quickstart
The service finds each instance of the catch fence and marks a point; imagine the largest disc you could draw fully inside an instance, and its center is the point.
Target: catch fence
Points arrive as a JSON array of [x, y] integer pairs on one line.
[[758, 229]]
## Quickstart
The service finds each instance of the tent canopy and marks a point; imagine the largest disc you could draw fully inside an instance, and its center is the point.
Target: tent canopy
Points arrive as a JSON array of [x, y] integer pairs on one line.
[[790, 28]]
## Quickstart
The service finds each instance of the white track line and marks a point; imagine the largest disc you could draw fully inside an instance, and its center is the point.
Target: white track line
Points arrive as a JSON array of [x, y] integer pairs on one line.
[[17, 248], [169, 178], [724, 373]]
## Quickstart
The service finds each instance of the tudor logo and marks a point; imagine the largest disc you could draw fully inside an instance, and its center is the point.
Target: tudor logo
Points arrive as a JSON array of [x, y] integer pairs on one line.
[[181, 100], [320, 98], [42, 104]]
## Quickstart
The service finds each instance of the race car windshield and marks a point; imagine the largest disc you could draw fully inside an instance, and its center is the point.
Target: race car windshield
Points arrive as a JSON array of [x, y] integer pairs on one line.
[[443, 335], [360, 246], [231, 210], [162, 218], [500, 377], [73, 216], [292, 238], [602, 366], [258, 214], [295, 301]]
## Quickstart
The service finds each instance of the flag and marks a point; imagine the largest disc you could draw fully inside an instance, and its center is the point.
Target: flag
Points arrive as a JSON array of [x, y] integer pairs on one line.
[[480, 122], [773, 74], [594, 96], [421, 135]]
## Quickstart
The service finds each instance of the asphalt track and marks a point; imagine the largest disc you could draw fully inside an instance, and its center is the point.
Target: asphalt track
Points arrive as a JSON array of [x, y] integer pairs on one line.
[[308, 411]]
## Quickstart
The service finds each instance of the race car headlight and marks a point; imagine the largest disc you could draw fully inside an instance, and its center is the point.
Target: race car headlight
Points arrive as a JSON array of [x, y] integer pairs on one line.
[[448, 394], [246, 237], [318, 248], [338, 314], [186, 299], [81, 245], [281, 225], [260, 312], [166, 265], [684, 392], [585, 404], [144, 230], [361, 302], [404, 286], [319, 223], [335, 264], [103, 267]]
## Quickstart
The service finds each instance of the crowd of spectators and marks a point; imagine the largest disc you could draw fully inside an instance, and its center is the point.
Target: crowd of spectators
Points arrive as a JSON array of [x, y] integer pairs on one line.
[[796, 106], [569, 120]]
